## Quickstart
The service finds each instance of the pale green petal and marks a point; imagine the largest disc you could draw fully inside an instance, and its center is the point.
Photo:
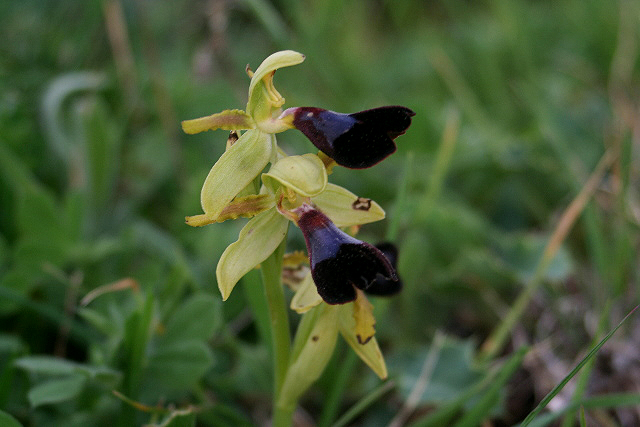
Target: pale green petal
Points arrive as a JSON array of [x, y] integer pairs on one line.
[[284, 58], [227, 120], [264, 100], [242, 206], [306, 297], [370, 352], [313, 347], [345, 208], [257, 240], [234, 170], [304, 174]]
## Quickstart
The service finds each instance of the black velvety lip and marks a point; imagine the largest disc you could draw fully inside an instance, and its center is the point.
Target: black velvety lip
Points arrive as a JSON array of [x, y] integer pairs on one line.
[[358, 140], [340, 263]]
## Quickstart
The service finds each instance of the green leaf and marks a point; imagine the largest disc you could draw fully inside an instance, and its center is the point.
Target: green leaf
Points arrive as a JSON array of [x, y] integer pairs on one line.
[[196, 318], [488, 400], [573, 372], [180, 365], [235, 169], [47, 365], [56, 391], [345, 208], [311, 353], [257, 240], [7, 420], [53, 366], [454, 371], [306, 175]]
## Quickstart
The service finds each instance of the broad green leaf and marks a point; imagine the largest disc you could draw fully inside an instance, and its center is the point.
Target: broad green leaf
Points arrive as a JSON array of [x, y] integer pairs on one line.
[[102, 374], [47, 365], [345, 208], [306, 297], [257, 240], [7, 420], [370, 352], [53, 366], [306, 175], [235, 169], [196, 318], [453, 374], [56, 391], [11, 344], [179, 365]]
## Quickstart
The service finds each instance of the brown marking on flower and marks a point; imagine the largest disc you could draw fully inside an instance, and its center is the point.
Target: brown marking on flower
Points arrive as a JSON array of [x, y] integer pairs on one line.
[[233, 137], [361, 204], [315, 338]]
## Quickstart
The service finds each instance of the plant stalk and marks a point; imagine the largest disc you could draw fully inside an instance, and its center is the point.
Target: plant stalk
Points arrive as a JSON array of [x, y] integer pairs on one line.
[[280, 334]]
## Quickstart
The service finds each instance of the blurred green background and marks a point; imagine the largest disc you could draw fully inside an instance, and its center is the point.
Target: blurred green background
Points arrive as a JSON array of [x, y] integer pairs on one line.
[[513, 199]]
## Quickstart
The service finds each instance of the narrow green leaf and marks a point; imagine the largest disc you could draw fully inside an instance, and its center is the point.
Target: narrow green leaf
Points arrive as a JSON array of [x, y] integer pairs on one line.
[[573, 372], [364, 403], [595, 402], [491, 396]]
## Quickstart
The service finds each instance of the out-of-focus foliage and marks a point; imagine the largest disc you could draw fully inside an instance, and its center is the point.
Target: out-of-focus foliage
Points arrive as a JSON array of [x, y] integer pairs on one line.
[[103, 287]]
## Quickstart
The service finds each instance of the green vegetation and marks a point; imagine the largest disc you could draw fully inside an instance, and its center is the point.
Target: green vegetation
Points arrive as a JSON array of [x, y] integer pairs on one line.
[[513, 199]]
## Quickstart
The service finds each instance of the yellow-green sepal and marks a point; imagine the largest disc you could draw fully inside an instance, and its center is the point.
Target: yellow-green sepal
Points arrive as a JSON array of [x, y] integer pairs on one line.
[[306, 297], [234, 170], [345, 208], [227, 120], [257, 240], [349, 329], [264, 100], [304, 174]]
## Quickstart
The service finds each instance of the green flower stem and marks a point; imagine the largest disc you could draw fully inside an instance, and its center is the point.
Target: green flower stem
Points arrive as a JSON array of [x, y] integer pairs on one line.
[[280, 336]]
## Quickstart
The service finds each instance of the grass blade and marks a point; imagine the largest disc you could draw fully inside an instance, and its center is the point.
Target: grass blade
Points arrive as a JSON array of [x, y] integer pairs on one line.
[[527, 421]]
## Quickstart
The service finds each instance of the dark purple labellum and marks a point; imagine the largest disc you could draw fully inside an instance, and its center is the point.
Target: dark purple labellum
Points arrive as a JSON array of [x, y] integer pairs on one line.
[[338, 261], [382, 286], [358, 140]]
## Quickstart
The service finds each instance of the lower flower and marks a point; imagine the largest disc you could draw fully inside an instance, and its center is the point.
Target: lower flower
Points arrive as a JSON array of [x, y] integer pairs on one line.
[[340, 263]]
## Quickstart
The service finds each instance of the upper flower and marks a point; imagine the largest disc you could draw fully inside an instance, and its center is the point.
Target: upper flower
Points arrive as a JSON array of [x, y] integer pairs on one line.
[[359, 140]]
